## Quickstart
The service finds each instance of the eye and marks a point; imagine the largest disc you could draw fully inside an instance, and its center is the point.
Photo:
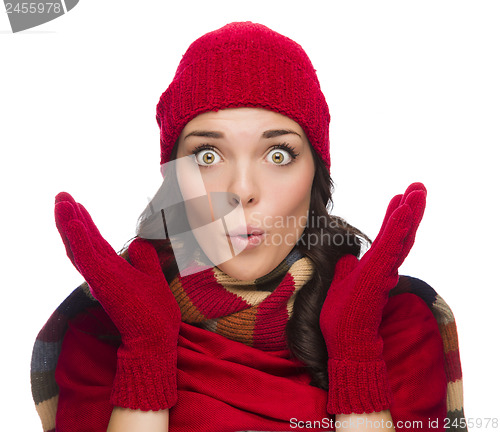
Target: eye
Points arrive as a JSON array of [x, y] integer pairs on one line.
[[282, 154], [205, 155]]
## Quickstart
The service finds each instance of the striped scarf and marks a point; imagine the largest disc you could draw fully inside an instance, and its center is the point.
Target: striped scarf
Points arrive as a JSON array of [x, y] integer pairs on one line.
[[448, 330], [254, 313]]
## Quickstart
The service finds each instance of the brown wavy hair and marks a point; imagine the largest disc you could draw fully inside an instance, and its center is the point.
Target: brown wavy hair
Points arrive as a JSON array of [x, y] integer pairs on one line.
[[336, 239]]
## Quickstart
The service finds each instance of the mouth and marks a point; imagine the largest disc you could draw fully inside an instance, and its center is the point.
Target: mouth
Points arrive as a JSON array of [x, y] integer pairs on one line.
[[246, 232], [246, 236], [248, 240]]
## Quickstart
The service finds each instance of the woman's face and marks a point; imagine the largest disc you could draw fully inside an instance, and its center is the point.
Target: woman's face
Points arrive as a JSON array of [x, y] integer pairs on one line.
[[265, 159]]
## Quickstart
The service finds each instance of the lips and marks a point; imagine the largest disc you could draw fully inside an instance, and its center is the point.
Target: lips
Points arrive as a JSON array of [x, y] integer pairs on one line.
[[246, 237], [245, 232]]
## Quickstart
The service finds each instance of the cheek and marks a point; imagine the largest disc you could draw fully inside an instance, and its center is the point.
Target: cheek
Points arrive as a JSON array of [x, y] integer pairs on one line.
[[189, 178], [290, 200]]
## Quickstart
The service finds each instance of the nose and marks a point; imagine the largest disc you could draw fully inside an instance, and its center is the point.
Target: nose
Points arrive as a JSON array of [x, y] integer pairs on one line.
[[244, 183]]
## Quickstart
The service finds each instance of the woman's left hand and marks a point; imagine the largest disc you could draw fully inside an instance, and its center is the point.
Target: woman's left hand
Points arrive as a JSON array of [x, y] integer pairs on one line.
[[139, 301], [352, 312]]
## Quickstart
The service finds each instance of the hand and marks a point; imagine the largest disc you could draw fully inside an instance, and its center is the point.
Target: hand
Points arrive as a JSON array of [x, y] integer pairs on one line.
[[352, 312], [137, 298]]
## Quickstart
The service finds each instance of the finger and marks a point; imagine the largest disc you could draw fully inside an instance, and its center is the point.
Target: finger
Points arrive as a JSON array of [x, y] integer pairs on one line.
[[393, 205], [88, 263], [81, 213], [67, 211], [396, 202], [63, 213], [64, 196], [143, 257], [386, 256], [414, 187], [417, 201], [100, 243], [67, 206], [345, 265]]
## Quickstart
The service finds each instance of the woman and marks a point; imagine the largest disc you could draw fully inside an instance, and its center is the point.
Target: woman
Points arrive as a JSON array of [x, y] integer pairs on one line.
[[243, 316]]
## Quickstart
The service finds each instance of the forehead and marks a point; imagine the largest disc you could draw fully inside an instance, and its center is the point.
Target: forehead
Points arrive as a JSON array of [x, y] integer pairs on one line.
[[244, 118]]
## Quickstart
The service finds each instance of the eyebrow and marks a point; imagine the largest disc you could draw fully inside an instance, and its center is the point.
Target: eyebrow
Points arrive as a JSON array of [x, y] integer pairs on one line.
[[267, 134], [278, 132]]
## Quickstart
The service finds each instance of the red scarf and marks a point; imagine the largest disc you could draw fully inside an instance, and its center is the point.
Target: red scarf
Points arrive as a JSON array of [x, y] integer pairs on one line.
[[221, 382], [252, 312]]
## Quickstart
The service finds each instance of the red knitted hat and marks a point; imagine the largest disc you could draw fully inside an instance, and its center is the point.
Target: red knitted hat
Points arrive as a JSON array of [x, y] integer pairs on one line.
[[245, 64]]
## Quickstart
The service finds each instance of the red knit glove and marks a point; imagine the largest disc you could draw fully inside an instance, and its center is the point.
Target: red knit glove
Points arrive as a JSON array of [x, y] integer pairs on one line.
[[352, 312], [137, 298]]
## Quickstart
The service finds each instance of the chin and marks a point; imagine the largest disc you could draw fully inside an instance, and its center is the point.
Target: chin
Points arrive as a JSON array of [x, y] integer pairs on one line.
[[238, 271], [247, 266], [253, 264]]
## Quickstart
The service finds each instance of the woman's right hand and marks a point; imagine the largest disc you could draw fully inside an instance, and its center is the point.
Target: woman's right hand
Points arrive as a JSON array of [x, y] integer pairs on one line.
[[137, 298], [353, 310]]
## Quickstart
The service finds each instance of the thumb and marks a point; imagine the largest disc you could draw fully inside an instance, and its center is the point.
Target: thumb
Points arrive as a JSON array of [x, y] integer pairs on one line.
[[144, 258], [344, 267], [63, 214]]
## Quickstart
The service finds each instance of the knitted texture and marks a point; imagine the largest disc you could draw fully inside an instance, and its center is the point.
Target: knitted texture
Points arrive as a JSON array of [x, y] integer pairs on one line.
[[226, 386], [254, 313], [251, 312], [351, 315], [146, 381], [137, 298], [245, 64], [49, 340], [448, 329]]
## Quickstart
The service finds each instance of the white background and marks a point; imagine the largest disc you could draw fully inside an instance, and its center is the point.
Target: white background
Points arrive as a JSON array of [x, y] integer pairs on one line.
[[414, 94]]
